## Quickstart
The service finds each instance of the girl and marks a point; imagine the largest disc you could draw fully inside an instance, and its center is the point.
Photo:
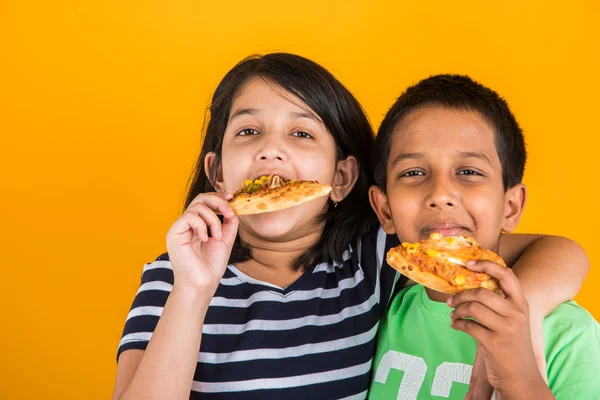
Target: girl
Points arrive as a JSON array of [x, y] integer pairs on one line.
[[283, 304]]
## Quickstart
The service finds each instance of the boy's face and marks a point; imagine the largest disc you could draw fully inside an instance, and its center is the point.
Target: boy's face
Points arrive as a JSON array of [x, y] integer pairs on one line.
[[444, 175]]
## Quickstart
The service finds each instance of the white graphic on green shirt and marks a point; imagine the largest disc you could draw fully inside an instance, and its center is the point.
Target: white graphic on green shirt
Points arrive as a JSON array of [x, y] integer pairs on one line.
[[414, 373]]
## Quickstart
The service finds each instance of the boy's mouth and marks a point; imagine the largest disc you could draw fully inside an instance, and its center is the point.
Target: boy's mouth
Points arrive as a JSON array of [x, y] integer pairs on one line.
[[446, 229]]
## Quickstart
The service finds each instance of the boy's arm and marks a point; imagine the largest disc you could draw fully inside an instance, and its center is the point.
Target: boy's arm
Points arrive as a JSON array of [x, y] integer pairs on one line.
[[551, 269]]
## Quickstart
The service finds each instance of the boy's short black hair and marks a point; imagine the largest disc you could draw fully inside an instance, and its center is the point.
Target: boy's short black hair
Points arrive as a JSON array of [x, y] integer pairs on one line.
[[462, 93]]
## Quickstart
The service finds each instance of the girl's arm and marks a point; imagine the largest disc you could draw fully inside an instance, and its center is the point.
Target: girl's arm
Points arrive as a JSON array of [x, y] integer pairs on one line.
[[165, 370], [551, 269]]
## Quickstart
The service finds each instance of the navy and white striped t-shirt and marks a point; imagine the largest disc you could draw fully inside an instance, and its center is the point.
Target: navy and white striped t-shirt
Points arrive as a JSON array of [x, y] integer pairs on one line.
[[312, 340]]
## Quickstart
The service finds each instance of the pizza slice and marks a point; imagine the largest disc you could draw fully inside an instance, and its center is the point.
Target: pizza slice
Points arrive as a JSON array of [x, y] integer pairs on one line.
[[272, 193], [439, 263]]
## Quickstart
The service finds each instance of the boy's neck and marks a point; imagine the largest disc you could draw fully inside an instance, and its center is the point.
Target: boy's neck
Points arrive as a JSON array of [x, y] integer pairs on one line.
[[437, 296]]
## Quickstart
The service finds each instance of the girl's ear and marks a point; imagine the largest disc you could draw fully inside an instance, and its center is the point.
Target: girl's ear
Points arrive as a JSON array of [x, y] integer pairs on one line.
[[514, 204], [380, 204], [209, 160], [346, 175]]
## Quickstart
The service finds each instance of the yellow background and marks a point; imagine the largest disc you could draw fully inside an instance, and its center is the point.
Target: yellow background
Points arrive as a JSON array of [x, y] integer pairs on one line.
[[102, 104]]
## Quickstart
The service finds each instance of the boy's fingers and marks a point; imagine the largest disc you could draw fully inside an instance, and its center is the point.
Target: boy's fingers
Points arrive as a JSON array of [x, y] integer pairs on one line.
[[484, 296], [482, 314], [508, 281], [479, 387], [473, 329]]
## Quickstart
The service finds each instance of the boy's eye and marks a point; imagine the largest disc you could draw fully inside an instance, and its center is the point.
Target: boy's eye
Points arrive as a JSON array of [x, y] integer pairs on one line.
[[468, 172], [302, 135], [413, 173], [248, 132]]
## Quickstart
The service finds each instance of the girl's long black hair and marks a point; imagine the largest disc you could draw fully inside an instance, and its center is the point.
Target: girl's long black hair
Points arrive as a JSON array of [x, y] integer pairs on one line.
[[343, 117]]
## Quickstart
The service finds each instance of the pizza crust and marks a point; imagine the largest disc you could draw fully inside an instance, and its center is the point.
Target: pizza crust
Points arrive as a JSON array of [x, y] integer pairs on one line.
[[269, 199], [427, 263]]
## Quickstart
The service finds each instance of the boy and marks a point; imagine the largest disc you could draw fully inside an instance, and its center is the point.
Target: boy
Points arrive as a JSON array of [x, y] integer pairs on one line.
[[450, 157]]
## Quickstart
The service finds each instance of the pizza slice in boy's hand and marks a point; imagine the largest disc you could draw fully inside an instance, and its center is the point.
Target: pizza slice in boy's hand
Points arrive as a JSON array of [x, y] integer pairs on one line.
[[439, 263], [272, 193]]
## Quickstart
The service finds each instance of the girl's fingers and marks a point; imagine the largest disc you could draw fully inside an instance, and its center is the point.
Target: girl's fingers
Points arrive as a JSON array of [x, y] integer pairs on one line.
[[209, 217], [212, 200], [482, 314], [225, 210], [230, 229], [188, 224]]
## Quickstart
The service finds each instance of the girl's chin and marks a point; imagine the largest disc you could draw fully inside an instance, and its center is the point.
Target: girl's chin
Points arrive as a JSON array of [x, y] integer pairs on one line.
[[268, 226], [278, 226]]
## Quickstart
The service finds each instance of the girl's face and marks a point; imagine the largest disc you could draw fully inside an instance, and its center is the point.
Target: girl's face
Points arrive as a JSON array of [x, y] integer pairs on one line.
[[270, 131]]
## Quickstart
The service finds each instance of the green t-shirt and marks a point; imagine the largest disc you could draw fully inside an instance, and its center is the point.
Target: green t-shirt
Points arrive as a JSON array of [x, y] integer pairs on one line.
[[419, 356]]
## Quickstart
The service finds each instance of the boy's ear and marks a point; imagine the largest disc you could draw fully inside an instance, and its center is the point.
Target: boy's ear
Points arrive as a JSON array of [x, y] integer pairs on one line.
[[208, 163], [514, 205], [380, 204], [346, 175]]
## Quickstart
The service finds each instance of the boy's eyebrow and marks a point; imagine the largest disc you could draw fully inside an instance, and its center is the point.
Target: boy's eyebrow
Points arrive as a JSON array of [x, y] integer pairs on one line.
[[407, 156], [476, 154]]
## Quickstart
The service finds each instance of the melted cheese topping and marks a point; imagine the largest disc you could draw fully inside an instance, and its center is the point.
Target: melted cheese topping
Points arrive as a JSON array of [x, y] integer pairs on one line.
[[271, 181]]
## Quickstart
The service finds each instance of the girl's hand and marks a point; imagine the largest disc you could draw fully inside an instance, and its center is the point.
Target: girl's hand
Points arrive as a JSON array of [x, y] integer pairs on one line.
[[502, 330], [199, 260]]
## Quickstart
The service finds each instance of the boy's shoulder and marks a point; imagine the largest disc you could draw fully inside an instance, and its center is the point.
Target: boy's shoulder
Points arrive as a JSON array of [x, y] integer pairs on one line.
[[567, 321], [405, 298]]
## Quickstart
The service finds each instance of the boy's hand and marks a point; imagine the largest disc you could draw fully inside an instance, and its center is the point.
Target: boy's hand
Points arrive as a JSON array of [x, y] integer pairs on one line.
[[199, 260], [479, 387], [502, 330]]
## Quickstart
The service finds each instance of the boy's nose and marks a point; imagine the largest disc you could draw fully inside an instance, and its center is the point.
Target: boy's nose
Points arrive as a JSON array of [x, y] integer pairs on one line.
[[441, 197], [441, 204]]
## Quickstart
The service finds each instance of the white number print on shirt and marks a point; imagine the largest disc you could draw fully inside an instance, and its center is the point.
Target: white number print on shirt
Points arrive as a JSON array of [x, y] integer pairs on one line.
[[415, 369]]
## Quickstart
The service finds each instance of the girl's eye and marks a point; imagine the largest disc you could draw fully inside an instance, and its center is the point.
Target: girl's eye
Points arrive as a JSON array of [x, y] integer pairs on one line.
[[410, 174], [468, 172], [248, 132], [302, 135]]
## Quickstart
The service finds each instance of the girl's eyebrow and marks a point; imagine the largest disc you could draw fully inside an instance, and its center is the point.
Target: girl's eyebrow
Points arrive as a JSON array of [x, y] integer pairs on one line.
[[243, 111], [305, 115], [254, 111]]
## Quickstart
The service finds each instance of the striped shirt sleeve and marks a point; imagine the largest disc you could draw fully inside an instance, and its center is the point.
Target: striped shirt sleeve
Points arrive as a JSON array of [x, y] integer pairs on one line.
[[148, 304], [374, 247]]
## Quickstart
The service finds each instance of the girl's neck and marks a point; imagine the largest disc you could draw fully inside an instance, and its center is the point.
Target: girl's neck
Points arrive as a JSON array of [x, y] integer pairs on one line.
[[273, 261]]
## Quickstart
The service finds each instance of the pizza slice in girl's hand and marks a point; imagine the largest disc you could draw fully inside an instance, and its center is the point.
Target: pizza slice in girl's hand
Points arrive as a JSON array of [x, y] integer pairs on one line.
[[439, 263], [272, 193]]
